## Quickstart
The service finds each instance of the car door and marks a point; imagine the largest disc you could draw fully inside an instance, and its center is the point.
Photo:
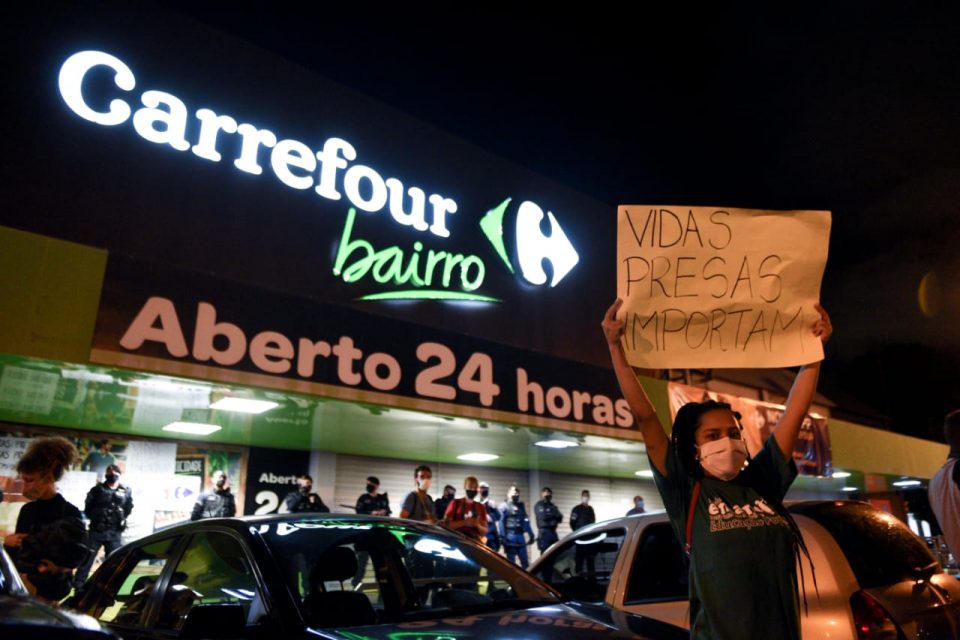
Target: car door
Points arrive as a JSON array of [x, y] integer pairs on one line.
[[657, 581], [582, 567], [123, 591]]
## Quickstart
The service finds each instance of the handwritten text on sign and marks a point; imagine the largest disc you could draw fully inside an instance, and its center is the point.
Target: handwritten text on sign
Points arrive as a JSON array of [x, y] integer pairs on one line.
[[705, 287]]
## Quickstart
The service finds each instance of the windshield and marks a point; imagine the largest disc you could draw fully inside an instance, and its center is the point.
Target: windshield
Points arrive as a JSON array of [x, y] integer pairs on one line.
[[404, 572], [10, 583]]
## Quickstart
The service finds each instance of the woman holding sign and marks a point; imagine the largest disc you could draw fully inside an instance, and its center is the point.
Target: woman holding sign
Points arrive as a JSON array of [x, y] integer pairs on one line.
[[742, 543]]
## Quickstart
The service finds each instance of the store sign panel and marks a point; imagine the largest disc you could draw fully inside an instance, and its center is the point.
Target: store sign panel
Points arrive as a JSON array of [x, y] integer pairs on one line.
[[335, 172], [165, 315]]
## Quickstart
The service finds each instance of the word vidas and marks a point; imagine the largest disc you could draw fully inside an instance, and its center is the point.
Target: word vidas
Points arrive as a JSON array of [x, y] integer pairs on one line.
[[332, 173]]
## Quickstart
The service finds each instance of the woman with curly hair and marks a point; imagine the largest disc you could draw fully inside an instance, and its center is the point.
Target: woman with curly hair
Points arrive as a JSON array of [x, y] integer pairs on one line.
[[49, 539], [726, 508]]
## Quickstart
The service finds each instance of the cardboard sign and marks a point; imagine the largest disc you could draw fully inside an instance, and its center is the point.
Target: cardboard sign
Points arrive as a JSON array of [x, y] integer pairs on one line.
[[705, 287]]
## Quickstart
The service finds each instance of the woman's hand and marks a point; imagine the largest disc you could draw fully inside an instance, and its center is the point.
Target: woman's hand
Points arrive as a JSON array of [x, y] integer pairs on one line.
[[822, 328], [612, 327]]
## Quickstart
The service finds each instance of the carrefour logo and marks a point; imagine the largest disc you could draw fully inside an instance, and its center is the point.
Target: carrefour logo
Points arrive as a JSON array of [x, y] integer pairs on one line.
[[333, 172]]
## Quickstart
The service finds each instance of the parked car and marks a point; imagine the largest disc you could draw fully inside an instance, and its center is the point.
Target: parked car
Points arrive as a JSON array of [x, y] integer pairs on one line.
[[299, 576], [874, 578], [23, 616]]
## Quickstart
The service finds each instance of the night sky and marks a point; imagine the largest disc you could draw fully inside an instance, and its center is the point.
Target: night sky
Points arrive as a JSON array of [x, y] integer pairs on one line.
[[855, 109]]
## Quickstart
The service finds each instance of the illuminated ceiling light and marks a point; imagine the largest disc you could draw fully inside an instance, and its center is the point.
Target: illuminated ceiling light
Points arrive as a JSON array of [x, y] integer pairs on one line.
[[840, 474], [907, 483], [243, 405], [556, 444], [477, 457], [89, 376], [850, 489], [644, 473], [193, 428]]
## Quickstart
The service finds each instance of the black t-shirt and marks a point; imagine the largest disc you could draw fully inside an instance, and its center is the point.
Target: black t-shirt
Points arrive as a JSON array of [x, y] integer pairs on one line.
[[39, 513]]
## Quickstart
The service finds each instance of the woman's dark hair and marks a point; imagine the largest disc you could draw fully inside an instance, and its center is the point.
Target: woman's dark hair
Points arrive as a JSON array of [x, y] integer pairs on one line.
[[684, 433], [52, 455]]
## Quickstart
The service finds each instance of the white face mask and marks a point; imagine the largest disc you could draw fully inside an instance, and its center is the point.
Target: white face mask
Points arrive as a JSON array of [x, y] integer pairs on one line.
[[424, 484], [723, 458]]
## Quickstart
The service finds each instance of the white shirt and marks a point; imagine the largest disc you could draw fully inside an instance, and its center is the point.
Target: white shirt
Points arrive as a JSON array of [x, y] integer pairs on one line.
[[945, 502]]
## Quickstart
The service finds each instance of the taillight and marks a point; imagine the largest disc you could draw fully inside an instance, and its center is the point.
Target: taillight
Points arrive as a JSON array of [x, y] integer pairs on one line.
[[871, 619]]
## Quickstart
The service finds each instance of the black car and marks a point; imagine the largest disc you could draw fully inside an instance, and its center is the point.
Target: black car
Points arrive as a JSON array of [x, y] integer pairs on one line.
[[22, 616], [299, 576]]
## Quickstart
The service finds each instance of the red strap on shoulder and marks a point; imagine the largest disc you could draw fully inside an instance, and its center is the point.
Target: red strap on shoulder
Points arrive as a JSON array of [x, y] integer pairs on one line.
[[694, 495]]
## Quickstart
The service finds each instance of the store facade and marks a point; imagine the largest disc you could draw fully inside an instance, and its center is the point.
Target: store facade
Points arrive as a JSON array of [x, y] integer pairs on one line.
[[190, 220]]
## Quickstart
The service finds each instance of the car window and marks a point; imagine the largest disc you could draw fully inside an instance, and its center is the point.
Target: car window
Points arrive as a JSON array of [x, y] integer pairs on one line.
[[581, 568], [122, 586], [213, 570], [351, 573], [880, 548], [659, 570]]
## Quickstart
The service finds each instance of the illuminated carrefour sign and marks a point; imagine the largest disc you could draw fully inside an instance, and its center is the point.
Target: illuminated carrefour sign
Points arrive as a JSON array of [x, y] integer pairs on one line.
[[417, 271]]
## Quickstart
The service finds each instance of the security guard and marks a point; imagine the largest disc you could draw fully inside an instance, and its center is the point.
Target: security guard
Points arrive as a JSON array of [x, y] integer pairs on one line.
[[548, 518], [513, 524], [217, 502], [108, 506], [493, 517]]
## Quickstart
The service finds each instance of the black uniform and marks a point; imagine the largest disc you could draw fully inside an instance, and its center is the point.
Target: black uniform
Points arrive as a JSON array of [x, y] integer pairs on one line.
[[581, 516], [217, 503], [493, 523], [300, 502], [108, 510], [548, 518], [367, 504], [514, 523]]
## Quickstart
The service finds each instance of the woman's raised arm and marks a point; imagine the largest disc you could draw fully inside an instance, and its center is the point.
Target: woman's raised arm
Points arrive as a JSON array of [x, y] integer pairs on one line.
[[654, 437], [802, 392]]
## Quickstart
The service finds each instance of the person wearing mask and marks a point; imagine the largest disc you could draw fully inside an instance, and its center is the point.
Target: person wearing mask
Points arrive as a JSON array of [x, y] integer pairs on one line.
[[108, 505], [303, 500], [637, 506], [548, 517], [582, 514], [216, 502], [50, 538], [944, 488], [742, 570], [467, 516], [370, 503], [449, 493], [418, 505], [493, 517], [514, 523]]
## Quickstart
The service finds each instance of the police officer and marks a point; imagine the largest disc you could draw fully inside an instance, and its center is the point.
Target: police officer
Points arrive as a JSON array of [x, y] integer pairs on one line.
[[303, 500], [548, 518], [108, 506], [493, 517], [217, 502], [513, 524], [581, 516], [371, 503]]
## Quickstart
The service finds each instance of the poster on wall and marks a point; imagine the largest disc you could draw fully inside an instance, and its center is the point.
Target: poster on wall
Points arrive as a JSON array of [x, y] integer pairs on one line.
[[271, 475], [706, 287], [811, 454], [193, 466]]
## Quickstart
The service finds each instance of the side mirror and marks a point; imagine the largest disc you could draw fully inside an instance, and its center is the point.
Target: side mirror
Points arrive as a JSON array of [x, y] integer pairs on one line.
[[215, 622]]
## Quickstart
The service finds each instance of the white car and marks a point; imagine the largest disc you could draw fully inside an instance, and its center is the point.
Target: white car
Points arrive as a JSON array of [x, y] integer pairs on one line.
[[875, 578]]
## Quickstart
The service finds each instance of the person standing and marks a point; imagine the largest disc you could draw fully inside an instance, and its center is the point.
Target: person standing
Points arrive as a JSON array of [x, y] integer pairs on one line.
[[370, 503], [418, 505], [303, 500], [108, 505], [637, 506], [449, 493], [216, 502], [99, 459], [944, 488], [49, 541], [582, 514], [493, 517], [514, 523], [466, 515], [548, 518]]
